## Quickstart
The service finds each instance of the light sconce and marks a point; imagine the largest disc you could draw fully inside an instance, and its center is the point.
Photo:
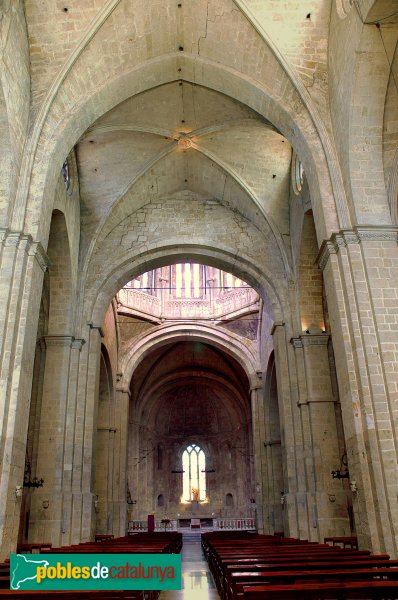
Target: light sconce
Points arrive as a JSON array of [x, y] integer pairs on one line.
[[46, 504], [353, 487], [33, 483], [332, 498], [342, 473], [18, 491], [129, 499], [283, 499], [338, 474]]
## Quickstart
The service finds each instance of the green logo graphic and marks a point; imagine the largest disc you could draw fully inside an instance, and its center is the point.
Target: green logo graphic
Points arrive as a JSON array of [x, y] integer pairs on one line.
[[95, 572]]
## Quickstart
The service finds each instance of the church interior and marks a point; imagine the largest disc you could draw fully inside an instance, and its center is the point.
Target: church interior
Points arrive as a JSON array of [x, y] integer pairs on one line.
[[199, 268]]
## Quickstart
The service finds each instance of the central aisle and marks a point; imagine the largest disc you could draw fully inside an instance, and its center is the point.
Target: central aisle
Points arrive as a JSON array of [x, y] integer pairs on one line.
[[197, 581]]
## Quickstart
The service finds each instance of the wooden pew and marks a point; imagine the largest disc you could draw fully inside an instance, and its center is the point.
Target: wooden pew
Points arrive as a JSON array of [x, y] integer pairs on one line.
[[288, 577], [103, 537], [237, 563], [29, 548], [346, 541], [169, 542], [323, 591]]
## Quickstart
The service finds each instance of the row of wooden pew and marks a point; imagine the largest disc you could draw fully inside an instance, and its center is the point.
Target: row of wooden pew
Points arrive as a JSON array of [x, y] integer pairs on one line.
[[249, 566], [140, 543]]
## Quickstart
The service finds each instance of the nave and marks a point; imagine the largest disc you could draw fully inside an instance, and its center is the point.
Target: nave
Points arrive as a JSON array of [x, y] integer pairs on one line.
[[197, 582]]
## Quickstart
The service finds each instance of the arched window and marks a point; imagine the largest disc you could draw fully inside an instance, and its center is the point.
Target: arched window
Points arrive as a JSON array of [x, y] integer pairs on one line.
[[194, 475], [229, 500]]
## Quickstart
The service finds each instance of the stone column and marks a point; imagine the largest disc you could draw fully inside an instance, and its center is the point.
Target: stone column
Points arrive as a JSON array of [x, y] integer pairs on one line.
[[327, 498], [133, 480], [295, 508], [22, 264], [50, 505], [257, 407], [86, 433], [361, 280], [122, 401]]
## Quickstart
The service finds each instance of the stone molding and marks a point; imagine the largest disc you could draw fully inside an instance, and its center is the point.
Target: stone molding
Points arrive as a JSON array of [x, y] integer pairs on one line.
[[272, 443], [314, 339], [256, 387], [364, 233], [275, 325], [39, 253], [14, 238], [63, 341], [123, 390], [309, 339], [296, 342], [97, 327], [77, 344]]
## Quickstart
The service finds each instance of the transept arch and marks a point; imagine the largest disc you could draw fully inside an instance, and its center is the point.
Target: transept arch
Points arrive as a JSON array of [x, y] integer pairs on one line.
[[165, 334], [221, 257]]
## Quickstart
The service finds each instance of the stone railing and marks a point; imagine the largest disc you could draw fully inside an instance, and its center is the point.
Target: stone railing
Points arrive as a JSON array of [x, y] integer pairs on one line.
[[235, 300], [246, 523], [138, 526], [185, 308], [233, 524], [141, 301]]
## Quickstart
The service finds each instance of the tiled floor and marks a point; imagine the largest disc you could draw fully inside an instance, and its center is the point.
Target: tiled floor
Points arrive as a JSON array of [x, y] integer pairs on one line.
[[197, 581]]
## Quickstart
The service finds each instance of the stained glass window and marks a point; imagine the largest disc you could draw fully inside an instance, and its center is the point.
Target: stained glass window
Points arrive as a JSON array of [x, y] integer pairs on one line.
[[194, 475]]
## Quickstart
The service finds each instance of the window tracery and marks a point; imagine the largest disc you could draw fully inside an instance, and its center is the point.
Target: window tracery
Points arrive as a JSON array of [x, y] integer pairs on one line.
[[194, 474]]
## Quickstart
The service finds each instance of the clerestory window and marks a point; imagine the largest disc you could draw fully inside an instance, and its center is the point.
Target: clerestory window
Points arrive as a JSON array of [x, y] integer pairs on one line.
[[194, 474]]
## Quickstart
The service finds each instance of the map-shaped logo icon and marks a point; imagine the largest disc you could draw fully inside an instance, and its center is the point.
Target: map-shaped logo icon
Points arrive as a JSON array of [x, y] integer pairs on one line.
[[25, 569]]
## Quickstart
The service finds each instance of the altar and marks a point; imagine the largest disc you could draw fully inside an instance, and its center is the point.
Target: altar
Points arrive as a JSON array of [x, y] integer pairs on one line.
[[196, 522]]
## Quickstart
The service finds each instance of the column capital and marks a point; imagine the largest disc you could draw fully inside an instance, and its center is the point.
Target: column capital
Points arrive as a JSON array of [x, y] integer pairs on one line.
[[357, 235], [78, 343], [97, 327], [256, 386], [122, 389], [37, 250], [58, 340], [296, 342], [275, 325], [15, 238], [314, 339], [68, 341]]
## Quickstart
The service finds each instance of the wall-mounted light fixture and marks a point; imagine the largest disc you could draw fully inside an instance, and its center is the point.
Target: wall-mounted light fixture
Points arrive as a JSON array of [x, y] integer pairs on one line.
[[342, 472], [338, 474], [27, 480], [283, 499], [33, 483]]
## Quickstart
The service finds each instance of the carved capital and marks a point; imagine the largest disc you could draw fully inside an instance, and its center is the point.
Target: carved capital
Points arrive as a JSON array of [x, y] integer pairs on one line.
[[345, 237], [77, 344], [296, 342], [275, 325], [97, 327], [64, 341], [123, 389], [37, 250], [317, 339]]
